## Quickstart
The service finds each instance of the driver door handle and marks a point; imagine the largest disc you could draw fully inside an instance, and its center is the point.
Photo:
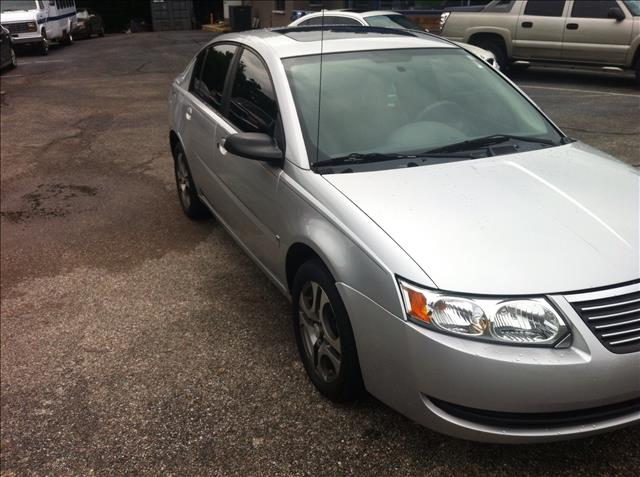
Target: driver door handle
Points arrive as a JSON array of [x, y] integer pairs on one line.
[[527, 24], [220, 145], [572, 26], [188, 113]]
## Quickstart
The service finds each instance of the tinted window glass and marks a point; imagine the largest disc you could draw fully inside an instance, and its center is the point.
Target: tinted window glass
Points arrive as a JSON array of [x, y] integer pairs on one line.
[[330, 20], [545, 8], [592, 9], [500, 6], [210, 86], [392, 21], [253, 106], [334, 20]]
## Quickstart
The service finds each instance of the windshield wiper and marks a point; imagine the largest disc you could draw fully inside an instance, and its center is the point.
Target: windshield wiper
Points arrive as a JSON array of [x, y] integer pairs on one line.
[[488, 141], [360, 158], [367, 158]]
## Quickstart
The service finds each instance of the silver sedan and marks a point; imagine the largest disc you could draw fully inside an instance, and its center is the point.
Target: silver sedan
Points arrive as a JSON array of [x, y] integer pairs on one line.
[[445, 246]]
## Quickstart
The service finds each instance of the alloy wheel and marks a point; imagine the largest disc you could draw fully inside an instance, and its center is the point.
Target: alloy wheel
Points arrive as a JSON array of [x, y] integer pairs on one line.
[[319, 332], [182, 179]]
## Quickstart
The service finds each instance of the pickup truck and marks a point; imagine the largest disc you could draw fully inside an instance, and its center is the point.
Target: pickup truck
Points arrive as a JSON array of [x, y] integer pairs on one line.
[[603, 34]]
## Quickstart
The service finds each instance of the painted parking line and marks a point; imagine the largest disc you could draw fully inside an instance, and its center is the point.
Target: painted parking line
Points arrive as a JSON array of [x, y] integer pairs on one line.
[[12, 76], [39, 62], [572, 90]]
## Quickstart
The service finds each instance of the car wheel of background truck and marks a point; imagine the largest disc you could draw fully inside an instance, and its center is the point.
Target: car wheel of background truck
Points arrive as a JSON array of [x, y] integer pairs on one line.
[[44, 45], [67, 39], [14, 59], [498, 51], [323, 334], [101, 32]]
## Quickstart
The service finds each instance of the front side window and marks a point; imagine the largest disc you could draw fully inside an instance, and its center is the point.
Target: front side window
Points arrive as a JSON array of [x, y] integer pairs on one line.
[[592, 8], [407, 102], [209, 85], [392, 21], [545, 8], [633, 6], [252, 105], [500, 6]]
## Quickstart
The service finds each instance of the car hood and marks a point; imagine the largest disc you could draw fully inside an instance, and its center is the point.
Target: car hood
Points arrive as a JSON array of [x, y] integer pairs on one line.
[[18, 16], [553, 220]]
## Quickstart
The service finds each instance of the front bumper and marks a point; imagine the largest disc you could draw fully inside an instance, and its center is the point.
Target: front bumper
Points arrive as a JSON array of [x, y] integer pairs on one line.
[[452, 384], [26, 38]]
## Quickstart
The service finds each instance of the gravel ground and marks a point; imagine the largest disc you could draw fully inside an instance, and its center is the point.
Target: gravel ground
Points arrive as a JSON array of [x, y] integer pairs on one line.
[[136, 341]]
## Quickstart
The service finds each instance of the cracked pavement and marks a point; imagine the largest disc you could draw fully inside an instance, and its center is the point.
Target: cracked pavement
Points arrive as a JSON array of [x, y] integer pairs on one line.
[[136, 341]]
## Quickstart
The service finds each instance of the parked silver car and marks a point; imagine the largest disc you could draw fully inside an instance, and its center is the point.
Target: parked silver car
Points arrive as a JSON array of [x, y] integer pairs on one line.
[[445, 246], [379, 18]]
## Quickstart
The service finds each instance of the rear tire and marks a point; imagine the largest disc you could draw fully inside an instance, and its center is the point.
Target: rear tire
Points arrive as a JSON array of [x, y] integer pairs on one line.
[[187, 194], [638, 74], [323, 334], [67, 39], [498, 50]]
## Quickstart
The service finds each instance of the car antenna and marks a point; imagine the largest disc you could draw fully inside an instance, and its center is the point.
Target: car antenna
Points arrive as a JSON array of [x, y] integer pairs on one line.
[[320, 85]]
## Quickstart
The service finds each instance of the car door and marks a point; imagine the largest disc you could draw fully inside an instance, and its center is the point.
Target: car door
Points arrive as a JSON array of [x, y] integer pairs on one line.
[[248, 188], [202, 114], [539, 30], [591, 36]]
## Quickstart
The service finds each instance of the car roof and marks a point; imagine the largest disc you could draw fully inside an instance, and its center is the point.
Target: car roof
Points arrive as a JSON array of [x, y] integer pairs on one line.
[[301, 41]]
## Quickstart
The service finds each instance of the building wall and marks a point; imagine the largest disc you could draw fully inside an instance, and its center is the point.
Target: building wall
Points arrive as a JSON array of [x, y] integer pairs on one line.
[[269, 16]]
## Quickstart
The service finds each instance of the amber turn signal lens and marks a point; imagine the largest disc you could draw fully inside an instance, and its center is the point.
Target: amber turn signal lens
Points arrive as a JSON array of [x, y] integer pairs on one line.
[[418, 305]]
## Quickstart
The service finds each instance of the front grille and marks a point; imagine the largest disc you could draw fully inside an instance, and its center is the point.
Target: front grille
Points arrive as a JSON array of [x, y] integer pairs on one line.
[[615, 320], [16, 27]]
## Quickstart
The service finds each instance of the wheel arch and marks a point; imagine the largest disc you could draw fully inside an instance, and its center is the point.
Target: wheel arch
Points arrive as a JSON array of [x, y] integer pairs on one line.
[[174, 140], [297, 255], [475, 37]]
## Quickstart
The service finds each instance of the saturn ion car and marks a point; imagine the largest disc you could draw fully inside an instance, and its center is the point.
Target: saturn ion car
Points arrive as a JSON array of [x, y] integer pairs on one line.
[[445, 246]]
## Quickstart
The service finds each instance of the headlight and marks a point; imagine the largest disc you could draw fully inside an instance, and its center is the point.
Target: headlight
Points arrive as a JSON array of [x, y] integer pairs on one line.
[[31, 26], [522, 321], [443, 19]]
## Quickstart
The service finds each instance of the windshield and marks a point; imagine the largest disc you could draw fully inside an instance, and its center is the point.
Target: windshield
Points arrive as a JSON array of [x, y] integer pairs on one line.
[[11, 5], [392, 21], [82, 14], [405, 101], [633, 6]]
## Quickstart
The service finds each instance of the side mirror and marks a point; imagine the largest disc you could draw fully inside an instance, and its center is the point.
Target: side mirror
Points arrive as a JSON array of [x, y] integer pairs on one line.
[[617, 13], [256, 146]]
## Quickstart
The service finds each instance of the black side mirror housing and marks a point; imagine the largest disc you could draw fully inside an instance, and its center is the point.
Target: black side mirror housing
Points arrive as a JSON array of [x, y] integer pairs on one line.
[[256, 146], [617, 13]]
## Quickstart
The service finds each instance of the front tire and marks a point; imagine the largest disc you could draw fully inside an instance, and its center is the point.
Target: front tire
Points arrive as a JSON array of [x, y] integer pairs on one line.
[[43, 47], [498, 50], [187, 194], [323, 334], [14, 59]]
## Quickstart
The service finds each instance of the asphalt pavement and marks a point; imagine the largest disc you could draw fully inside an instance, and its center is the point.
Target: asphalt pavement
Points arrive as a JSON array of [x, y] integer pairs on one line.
[[136, 341]]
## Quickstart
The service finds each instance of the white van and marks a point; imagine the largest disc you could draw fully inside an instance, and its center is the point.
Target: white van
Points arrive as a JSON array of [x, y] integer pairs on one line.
[[39, 22]]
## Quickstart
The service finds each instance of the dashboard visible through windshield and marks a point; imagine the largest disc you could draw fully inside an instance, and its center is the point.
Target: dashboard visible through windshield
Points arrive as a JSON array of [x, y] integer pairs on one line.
[[400, 102]]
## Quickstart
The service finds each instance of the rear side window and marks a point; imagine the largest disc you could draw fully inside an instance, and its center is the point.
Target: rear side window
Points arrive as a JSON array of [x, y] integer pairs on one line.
[[330, 20], [209, 84], [592, 8], [252, 105], [545, 8]]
